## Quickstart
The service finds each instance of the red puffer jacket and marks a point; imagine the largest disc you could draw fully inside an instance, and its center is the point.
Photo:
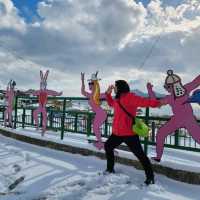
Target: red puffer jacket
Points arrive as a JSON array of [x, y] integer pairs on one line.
[[122, 123]]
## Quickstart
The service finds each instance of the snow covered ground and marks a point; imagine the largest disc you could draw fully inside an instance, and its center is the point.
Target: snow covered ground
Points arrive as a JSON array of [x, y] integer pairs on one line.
[[177, 159], [55, 175]]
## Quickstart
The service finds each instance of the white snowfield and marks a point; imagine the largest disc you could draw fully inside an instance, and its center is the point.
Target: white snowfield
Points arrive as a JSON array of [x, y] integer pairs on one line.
[[55, 175], [177, 159]]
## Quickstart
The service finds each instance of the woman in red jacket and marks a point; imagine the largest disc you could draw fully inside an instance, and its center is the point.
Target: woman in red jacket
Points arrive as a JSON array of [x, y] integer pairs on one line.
[[122, 126]]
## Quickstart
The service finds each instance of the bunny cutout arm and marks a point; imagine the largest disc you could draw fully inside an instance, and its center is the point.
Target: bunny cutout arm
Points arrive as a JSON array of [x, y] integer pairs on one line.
[[53, 93], [163, 101], [83, 91], [102, 96], [36, 93], [151, 93], [193, 85]]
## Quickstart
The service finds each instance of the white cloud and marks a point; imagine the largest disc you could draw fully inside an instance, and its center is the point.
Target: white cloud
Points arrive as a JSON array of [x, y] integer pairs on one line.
[[165, 20], [113, 37], [9, 18], [26, 75]]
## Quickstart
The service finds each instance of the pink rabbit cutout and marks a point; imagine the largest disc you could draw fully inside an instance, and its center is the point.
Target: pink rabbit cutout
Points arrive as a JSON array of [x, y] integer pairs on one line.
[[183, 116], [100, 113], [43, 94], [9, 97]]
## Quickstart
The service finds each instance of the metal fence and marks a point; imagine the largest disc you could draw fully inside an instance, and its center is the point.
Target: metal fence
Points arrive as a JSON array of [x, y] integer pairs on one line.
[[67, 119]]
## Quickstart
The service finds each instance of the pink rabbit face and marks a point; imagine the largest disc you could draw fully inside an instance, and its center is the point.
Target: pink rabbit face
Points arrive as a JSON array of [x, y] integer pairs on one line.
[[43, 81]]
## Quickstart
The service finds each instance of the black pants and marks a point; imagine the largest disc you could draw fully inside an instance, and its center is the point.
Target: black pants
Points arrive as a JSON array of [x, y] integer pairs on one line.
[[134, 145]]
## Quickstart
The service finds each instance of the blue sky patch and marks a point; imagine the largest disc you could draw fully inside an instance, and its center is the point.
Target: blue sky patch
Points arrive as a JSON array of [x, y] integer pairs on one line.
[[165, 2], [27, 9]]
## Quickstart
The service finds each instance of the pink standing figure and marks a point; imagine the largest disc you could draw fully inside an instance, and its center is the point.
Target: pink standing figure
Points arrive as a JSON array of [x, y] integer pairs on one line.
[[183, 116], [9, 97], [43, 94], [94, 101]]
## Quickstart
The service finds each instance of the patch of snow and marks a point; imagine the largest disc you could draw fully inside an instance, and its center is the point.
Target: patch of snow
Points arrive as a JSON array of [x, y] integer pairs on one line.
[[174, 158], [55, 175]]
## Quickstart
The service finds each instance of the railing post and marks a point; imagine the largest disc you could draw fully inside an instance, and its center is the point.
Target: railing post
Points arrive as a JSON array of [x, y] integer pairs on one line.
[[176, 138], [15, 118], [23, 118], [89, 124], [51, 119], [146, 138], [153, 132], [32, 119], [76, 123], [3, 113], [63, 119]]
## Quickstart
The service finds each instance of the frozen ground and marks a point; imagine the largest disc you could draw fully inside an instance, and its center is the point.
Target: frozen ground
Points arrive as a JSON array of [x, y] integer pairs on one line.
[[178, 159], [55, 175]]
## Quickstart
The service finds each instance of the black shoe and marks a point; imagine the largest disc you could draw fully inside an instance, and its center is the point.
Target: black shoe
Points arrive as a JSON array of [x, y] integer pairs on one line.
[[149, 181], [109, 172]]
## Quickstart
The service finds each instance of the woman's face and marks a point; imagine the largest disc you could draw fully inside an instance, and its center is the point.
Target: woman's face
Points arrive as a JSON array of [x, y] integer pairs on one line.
[[91, 85]]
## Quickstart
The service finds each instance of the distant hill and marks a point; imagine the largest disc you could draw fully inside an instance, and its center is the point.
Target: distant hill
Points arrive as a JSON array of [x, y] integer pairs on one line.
[[140, 93]]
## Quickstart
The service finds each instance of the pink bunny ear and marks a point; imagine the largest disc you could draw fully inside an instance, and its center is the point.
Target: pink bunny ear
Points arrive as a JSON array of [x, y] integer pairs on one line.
[[46, 75], [41, 75]]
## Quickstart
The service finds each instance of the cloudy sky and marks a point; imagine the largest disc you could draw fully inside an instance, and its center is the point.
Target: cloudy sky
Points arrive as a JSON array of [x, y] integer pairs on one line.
[[111, 36]]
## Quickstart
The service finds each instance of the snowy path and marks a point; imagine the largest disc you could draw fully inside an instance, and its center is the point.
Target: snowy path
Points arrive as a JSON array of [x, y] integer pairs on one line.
[[173, 158], [54, 175]]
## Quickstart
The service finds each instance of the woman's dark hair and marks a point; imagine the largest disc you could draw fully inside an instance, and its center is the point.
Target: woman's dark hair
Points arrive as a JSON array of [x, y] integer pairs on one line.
[[122, 87]]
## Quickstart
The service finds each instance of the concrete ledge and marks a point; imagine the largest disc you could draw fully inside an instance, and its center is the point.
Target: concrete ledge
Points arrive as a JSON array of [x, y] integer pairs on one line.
[[176, 174]]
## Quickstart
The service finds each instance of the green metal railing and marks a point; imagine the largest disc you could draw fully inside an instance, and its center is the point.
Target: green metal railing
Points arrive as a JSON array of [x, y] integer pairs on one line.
[[73, 121]]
